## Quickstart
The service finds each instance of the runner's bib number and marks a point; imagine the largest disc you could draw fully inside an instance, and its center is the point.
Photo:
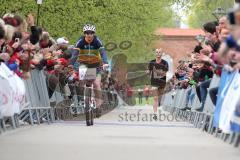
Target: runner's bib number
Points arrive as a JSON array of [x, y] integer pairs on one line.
[[87, 73]]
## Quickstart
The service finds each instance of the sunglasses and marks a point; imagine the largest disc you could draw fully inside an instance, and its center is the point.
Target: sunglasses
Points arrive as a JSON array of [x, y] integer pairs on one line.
[[89, 32]]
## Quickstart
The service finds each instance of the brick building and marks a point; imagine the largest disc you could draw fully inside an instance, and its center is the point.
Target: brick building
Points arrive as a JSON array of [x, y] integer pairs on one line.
[[177, 42]]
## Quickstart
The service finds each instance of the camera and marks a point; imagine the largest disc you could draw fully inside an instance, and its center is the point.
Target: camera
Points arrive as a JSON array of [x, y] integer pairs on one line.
[[17, 40], [190, 65], [234, 15], [200, 38], [231, 18]]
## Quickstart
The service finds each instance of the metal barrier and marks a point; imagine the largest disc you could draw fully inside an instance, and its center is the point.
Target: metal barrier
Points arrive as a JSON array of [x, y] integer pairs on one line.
[[37, 107], [174, 102], [209, 106]]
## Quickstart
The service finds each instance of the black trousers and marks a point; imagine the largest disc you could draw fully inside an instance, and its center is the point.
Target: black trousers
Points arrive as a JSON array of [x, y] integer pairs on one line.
[[213, 95]]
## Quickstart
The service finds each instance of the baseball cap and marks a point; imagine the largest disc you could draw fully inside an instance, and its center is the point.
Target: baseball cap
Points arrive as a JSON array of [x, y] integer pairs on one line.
[[62, 40]]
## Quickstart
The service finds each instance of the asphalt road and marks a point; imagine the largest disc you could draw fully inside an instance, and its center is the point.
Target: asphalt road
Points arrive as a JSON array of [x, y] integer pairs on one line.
[[125, 133]]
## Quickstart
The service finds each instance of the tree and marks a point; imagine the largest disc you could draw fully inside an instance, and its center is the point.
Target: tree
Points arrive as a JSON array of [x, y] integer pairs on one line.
[[200, 11], [116, 20]]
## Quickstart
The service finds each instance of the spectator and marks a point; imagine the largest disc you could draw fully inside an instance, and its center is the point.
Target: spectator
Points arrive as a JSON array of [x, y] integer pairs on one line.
[[129, 95], [2, 38], [46, 41], [36, 32], [211, 37], [140, 95]]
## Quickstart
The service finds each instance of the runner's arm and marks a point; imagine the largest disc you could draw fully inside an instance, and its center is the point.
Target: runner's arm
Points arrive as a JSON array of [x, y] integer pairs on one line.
[[150, 68]]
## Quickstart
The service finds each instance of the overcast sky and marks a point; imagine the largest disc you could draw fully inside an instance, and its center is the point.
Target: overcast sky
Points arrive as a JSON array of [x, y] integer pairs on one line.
[[183, 23]]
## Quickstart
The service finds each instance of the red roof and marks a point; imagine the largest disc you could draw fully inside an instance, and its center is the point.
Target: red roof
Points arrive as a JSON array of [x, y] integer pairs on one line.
[[178, 32]]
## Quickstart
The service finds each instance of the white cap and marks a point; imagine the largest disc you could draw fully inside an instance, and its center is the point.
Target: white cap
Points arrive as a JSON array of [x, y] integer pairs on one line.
[[62, 40]]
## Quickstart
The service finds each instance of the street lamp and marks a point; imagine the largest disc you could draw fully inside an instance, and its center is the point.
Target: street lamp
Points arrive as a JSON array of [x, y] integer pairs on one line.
[[39, 2], [219, 12]]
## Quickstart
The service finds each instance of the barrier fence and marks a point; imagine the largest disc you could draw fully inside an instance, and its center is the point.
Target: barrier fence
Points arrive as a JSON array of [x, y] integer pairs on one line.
[[175, 102], [34, 105]]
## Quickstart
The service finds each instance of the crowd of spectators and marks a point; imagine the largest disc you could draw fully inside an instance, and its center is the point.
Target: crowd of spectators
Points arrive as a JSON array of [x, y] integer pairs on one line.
[[25, 47], [216, 50]]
